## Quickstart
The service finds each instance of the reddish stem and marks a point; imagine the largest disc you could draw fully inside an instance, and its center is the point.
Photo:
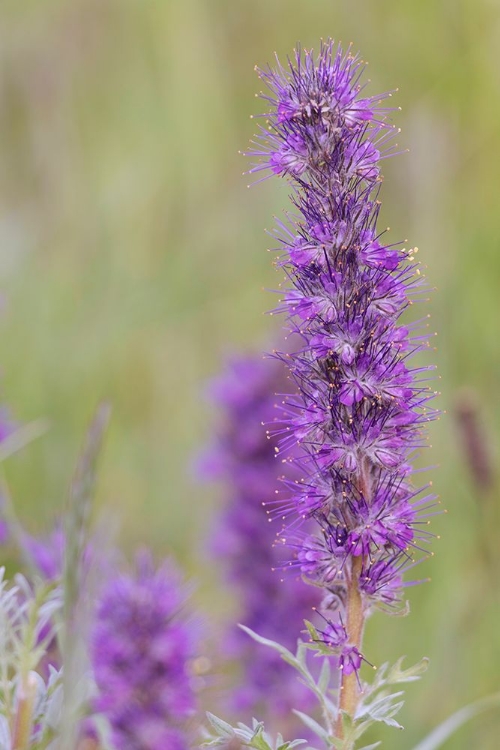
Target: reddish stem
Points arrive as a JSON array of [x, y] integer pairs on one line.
[[349, 686]]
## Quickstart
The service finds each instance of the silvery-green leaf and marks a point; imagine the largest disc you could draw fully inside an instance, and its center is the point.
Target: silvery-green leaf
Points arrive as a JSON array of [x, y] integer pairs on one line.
[[55, 676], [245, 732], [53, 602], [285, 654], [381, 706], [384, 709], [214, 742], [445, 730], [396, 674], [392, 723], [54, 708], [22, 437], [267, 642], [380, 677], [312, 724], [254, 738], [259, 739], [371, 747], [336, 744], [293, 661], [222, 728], [324, 676], [315, 642], [330, 707], [259, 743], [311, 630], [301, 654], [5, 739], [41, 693], [24, 586]]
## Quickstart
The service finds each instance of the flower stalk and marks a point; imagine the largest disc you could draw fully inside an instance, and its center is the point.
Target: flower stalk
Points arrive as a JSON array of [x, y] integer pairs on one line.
[[349, 685], [362, 406]]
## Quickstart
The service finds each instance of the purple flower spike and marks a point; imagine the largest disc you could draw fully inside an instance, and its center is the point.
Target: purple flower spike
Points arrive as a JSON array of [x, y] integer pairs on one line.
[[363, 403], [140, 652]]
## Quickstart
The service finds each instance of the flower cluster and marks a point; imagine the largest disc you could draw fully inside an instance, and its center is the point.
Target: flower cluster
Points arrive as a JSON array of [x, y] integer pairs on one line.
[[361, 406], [140, 652], [273, 602]]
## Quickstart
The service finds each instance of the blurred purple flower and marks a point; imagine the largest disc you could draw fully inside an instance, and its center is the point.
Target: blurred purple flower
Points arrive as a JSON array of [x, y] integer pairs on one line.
[[141, 646], [7, 427], [273, 601], [46, 553]]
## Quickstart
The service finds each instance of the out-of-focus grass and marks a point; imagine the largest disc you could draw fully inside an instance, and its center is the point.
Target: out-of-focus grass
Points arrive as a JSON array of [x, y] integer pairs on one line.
[[132, 256]]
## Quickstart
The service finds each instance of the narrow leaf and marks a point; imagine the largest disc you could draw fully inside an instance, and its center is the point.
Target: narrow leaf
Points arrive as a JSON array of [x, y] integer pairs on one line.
[[286, 655], [222, 728], [396, 674], [22, 437], [324, 676], [79, 505], [445, 730], [76, 523], [271, 644], [312, 724], [311, 630]]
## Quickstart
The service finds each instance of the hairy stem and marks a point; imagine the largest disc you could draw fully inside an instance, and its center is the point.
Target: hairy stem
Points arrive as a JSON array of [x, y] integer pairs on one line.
[[349, 687]]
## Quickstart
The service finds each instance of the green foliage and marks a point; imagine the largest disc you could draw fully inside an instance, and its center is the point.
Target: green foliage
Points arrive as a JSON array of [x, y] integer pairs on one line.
[[378, 703], [34, 616], [30, 708], [325, 695], [254, 736]]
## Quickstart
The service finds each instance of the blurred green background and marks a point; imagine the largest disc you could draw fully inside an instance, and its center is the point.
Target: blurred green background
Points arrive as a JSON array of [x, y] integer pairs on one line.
[[132, 257]]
